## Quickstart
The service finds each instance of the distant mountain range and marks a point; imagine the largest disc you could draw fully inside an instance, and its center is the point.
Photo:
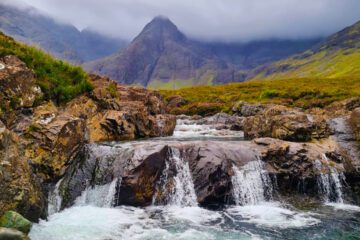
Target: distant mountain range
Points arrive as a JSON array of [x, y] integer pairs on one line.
[[61, 40], [163, 57]]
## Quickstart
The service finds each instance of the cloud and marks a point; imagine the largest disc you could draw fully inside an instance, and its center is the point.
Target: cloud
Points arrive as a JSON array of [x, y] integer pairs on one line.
[[226, 20]]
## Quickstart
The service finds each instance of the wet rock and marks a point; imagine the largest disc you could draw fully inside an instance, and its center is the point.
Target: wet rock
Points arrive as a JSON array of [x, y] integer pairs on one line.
[[12, 234], [162, 125], [355, 122], [14, 220], [287, 124]]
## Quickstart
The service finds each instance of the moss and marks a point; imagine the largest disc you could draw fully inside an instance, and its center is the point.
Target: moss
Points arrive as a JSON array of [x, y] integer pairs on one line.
[[14, 220], [111, 89]]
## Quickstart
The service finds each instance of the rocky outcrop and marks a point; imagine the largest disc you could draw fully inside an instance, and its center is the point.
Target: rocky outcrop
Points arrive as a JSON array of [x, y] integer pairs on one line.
[[18, 88], [148, 170], [20, 189], [355, 122], [287, 124]]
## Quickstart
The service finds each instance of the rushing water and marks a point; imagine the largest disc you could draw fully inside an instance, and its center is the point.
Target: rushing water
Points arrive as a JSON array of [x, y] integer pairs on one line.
[[178, 216]]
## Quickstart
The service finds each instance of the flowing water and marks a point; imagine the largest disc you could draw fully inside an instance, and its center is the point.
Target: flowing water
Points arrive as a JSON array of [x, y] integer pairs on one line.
[[254, 216]]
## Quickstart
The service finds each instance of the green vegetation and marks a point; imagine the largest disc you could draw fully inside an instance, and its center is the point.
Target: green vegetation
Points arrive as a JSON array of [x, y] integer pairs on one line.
[[299, 92], [58, 80]]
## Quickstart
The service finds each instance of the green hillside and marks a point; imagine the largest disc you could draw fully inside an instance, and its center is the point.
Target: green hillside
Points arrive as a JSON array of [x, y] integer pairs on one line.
[[299, 92], [58, 80], [337, 56]]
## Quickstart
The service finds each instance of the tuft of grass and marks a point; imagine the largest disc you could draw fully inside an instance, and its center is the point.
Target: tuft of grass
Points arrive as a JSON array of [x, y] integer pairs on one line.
[[58, 80]]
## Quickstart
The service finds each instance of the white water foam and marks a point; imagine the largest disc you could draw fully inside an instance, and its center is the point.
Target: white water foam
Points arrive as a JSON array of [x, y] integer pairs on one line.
[[251, 183], [272, 215], [170, 222], [182, 191], [191, 129], [344, 207], [100, 196]]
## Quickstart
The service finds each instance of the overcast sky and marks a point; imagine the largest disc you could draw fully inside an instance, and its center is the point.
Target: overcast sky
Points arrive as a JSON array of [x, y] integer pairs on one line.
[[228, 20]]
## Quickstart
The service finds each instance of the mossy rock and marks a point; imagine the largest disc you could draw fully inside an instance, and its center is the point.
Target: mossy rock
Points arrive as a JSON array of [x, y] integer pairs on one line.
[[14, 220]]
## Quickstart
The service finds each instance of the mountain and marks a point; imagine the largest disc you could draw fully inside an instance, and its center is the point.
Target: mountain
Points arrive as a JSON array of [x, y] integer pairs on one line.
[[163, 57], [337, 56], [61, 40]]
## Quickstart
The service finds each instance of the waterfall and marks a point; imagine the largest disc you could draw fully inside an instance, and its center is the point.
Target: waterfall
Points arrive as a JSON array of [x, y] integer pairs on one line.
[[330, 183], [177, 189], [251, 183], [54, 199], [100, 196]]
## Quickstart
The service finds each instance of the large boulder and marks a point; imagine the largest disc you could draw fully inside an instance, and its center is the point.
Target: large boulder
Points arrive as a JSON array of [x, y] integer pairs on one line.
[[20, 190], [246, 109], [287, 124], [53, 138], [355, 122], [12, 219]]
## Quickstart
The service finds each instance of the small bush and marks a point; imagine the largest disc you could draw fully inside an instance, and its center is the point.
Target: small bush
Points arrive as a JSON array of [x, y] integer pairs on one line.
[[269, 94]]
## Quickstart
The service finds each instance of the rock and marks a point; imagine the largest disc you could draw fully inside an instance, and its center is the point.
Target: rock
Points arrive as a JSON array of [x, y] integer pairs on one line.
[[176, 101], [223, 121], [18, 88], [54, 139], [287, 124], [20, 190], [12, 219], [12, 234], [162, 125], [245, 109], [344, 107], [355, 122]]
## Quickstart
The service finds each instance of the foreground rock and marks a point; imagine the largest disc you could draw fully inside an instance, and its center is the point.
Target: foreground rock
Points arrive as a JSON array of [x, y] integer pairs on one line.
[[20, 190], [12, 234]]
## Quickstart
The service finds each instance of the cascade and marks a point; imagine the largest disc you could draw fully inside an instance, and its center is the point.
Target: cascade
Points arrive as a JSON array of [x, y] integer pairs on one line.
[[329, 184], [251, 183], [99, 195], [54, 199], [179, 189]]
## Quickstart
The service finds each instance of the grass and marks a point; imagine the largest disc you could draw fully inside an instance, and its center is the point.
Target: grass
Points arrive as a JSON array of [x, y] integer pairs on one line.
[[59, 81], [296, 92]]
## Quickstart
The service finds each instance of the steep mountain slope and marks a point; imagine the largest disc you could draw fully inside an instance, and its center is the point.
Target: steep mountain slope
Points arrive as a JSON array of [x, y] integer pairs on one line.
[[61, 40], [337, 56], [161, 56]]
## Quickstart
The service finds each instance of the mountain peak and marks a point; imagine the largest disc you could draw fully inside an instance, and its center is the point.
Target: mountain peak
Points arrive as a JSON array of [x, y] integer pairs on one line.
[[162, 26]]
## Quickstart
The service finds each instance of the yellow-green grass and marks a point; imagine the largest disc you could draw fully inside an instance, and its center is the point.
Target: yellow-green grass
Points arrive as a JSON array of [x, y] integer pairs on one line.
[[329, 64], [299, 92], [58, 80]]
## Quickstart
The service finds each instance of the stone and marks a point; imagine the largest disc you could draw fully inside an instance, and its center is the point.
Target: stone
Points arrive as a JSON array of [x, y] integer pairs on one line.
[[12, 234], [355, 122], [12, 219]]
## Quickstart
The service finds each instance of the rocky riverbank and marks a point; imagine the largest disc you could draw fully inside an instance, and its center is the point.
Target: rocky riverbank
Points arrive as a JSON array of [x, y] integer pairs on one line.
[[51, 155]]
